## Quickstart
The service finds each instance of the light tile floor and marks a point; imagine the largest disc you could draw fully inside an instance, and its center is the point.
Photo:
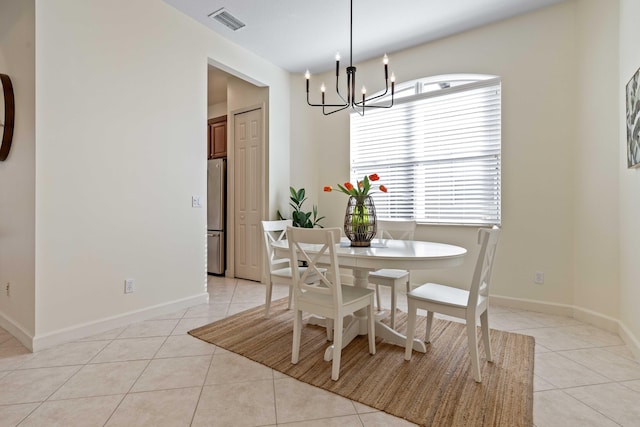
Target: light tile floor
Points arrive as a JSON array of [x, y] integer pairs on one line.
[[153, 374]]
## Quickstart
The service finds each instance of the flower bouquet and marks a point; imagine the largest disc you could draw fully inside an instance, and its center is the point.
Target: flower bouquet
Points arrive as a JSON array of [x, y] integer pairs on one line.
[[360, 225]]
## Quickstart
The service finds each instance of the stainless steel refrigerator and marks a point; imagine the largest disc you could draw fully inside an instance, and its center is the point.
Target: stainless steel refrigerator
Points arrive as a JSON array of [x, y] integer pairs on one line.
[[216, 209]]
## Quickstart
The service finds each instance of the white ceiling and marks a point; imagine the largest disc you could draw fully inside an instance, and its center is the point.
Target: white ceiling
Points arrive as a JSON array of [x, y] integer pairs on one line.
[[306, 34]]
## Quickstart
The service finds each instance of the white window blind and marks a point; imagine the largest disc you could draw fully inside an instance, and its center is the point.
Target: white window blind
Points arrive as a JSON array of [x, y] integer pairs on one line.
[[438, 153]]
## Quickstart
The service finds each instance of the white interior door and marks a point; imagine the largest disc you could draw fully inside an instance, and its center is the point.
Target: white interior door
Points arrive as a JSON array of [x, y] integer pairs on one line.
[[248, 143]]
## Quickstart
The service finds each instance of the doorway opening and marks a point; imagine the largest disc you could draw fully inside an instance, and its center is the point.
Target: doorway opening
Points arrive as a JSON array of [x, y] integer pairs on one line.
[[245, 107]]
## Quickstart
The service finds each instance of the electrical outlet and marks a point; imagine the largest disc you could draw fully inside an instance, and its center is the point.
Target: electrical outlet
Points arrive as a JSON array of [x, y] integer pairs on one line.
[[129, 286], [538, 277], [8, 289], [196, 202]]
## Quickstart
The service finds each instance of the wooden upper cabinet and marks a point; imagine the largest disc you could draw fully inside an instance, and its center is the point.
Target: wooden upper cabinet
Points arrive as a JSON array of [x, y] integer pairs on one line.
[[217, 137]]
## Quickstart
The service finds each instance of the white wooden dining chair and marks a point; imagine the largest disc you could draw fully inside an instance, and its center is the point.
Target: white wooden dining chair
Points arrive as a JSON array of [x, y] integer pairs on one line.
[[451, 301], [392, 229], [327, 297], [279, 269]]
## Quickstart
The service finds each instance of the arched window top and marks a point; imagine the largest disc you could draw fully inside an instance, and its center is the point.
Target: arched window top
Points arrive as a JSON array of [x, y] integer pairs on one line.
[[437, 85]]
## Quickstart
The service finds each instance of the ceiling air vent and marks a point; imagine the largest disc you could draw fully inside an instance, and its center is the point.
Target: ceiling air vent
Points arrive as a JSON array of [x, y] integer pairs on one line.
[[225, 18]]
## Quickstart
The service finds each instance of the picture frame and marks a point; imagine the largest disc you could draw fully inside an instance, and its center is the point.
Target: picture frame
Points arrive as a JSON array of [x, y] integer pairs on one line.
[[633, 120]]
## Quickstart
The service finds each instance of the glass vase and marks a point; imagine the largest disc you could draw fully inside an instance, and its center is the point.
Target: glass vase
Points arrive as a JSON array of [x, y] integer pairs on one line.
[[360, 221]]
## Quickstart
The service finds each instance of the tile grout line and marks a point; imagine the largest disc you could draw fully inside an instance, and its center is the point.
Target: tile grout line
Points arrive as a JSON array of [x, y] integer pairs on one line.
[[585, 403], [204, 382]]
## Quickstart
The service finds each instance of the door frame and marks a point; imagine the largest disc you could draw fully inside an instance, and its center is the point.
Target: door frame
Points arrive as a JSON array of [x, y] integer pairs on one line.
[[231, 221]]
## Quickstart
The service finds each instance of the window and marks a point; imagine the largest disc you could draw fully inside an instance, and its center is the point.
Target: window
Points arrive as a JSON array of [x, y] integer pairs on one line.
[[437, 150]]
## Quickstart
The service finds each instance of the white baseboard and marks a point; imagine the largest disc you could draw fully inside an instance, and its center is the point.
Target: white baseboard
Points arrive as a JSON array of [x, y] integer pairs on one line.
[[17, 331], [584, 315], [631, 341], [596, 319], [40, 342], [533, 305]]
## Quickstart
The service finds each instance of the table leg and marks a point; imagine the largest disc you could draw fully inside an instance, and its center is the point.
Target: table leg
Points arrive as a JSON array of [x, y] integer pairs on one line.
[[361, 278], [351, 330], [357, 324], [392, 336]]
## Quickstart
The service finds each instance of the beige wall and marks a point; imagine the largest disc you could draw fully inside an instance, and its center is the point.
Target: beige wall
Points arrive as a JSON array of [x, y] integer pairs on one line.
[[629, 178], [17, 173], [596, 158], [121, 124], [217, 110]]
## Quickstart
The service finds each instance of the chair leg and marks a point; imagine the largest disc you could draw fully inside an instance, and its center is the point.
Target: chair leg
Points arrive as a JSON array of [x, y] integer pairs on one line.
[[290, 297], [371, 330], [337, 347], [297, 330], [427, 333], [393, 306], [473, 349], [267, 303], [486, 339], [329, 329], [411, 329], [378, 297]]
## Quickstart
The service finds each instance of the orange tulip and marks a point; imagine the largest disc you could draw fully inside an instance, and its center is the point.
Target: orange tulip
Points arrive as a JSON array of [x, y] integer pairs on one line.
[[360, 189]]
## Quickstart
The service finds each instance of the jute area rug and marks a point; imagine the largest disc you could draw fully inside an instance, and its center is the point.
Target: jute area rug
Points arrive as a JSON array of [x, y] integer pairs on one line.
[[433, 389]]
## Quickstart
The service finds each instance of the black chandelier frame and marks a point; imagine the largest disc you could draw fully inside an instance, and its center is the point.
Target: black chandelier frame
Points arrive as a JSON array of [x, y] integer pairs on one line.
[[350, 101]]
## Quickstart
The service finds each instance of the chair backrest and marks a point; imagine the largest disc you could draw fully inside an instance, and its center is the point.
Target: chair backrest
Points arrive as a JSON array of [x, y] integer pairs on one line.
[[314, 245], [274, 231], [488, 241], [396, 229]]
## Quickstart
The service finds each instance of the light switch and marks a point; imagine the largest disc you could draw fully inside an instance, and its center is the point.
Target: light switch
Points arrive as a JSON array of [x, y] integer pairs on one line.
[[196, 202]]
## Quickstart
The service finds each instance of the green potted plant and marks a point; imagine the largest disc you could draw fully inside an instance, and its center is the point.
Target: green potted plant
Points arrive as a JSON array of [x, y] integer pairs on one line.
[[301, 218]]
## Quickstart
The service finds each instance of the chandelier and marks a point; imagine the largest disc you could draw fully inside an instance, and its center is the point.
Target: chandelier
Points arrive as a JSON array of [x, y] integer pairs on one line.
[[357, 105]]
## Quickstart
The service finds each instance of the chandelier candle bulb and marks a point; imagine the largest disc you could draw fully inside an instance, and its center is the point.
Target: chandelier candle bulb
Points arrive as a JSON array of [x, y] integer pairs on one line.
[[385, 61], [307, 76]]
